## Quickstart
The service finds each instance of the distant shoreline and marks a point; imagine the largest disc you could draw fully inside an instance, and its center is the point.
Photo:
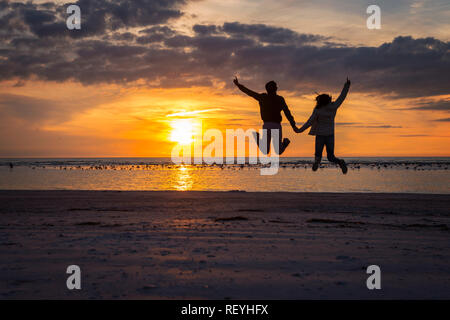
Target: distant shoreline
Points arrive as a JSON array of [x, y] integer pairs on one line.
[[109, 163], [399, 176], [221, 191], [168, 158]]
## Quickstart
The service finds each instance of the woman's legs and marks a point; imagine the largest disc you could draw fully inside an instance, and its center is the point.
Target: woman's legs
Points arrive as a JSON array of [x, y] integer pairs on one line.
[[320, 143], [329, 143]]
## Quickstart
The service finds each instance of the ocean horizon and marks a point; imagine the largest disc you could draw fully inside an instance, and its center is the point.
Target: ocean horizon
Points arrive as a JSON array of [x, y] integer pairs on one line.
[[366, 174]]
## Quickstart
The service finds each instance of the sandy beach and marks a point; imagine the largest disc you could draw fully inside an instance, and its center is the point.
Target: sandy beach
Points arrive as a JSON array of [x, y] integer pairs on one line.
[[223, 245]]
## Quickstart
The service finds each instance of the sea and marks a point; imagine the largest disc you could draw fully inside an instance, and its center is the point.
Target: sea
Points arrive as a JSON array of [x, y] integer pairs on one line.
[[376, 174]]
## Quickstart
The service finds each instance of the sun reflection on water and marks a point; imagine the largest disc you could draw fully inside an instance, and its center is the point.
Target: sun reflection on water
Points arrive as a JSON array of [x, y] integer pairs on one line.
[[183, 180]]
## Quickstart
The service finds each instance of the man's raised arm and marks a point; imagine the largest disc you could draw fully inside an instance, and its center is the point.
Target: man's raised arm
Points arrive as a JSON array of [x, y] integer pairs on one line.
[[245, 90]]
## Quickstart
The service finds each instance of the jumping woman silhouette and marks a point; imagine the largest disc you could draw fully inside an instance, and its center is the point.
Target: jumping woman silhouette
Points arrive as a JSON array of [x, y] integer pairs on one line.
[[322, 126]]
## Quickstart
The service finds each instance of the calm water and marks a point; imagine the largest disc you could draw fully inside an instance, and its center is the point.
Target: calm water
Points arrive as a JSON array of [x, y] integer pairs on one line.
[[411, 175]]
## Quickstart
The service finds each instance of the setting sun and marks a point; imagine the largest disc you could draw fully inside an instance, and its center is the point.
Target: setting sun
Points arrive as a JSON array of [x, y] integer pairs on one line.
[[183, 131]]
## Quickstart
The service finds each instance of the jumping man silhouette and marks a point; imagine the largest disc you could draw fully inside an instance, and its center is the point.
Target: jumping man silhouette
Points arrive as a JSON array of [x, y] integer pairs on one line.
[[270, 105]]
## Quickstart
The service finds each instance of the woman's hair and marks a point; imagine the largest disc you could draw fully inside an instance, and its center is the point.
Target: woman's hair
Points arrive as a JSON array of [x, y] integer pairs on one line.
[[323, 100]]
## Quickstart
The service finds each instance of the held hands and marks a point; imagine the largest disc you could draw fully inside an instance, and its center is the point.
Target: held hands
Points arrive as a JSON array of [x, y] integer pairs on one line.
[[297, 130]]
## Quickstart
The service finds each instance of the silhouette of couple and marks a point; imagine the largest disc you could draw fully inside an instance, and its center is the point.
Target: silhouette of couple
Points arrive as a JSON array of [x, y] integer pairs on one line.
[[321, 121]]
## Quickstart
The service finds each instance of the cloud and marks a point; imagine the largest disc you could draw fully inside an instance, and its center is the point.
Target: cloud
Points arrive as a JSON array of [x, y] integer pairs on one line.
[[124, 41], [442, 120], [386, 126], [30, 109], [361, 125], [98, 17], [205, 29], [413, 135], [155, 34], [440, 105], [267, 34], [189, 113]]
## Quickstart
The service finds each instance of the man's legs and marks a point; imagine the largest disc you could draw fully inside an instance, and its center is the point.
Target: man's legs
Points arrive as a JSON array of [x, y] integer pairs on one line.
[[264, 143], [282, 143]]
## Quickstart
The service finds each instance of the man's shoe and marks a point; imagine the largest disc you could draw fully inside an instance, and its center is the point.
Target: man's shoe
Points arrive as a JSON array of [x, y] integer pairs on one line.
[[343, 166], [315, 166], [284, 145]]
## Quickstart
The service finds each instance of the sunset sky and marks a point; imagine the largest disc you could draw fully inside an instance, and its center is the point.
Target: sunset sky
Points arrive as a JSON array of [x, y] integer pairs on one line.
[[136, 70]]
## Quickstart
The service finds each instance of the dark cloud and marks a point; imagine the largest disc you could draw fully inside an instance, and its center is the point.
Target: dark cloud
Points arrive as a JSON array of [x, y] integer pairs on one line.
[[440, 105], [36, 43], [125, 36], [30, 109], [442, 120], [155, 34], [98, 17], [267, 34], [370, 126], [386, 126], [205, 29], [414, 135]]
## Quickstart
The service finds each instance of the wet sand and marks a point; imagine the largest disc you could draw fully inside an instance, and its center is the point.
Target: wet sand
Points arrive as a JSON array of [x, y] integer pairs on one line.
[[223, 245]]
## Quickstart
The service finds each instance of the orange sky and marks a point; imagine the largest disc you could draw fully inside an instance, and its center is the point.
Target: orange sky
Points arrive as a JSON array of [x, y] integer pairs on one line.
[[137, 122]]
